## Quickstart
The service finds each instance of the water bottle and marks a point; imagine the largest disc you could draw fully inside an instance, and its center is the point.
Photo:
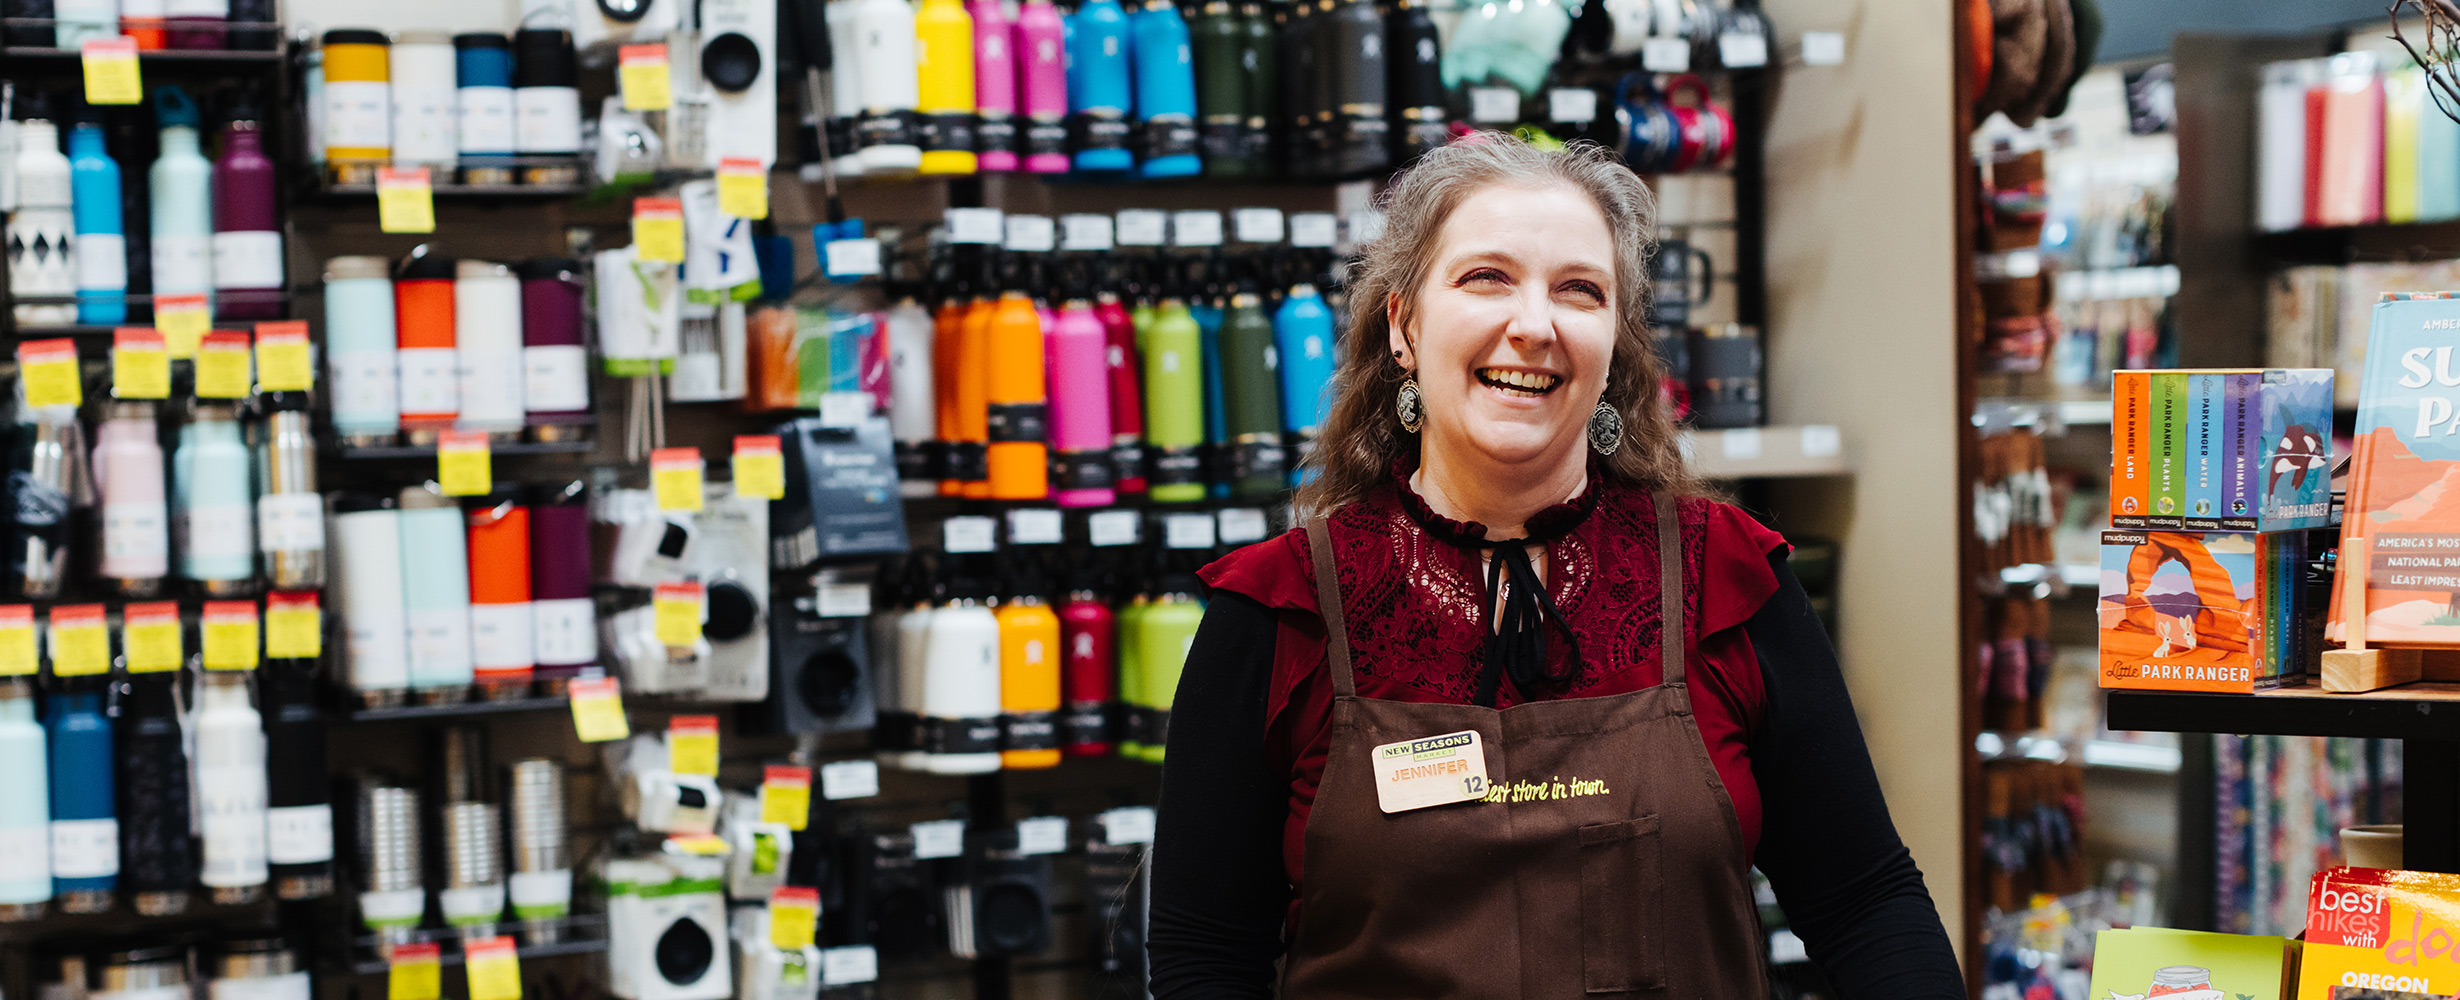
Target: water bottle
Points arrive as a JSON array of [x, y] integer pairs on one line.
[[1165, 91], [959, 684], [298, 797], [290, 514], [424, 315], [1164, 631], [41, 240], [25, 806], [1076, 355], [247, 244], [1354, 38], [884, 53], [436, 596], [102, 245], [363, 378], [1221, 89], [1016, 398], [1087, 633], [995, 86], [1251, 391], [1260, 55], [1174, 405], [1041, 54], [1414, 53], [912, 407], [487, 349], [1029, 655], [1101, 90], [503, 645], [85, 827], [230, 789], [212, 485], [180, 188], [944, 95], [1125, 364], [128, 475], [46, 472], [368, 595], [1303, 332], [157, 846]]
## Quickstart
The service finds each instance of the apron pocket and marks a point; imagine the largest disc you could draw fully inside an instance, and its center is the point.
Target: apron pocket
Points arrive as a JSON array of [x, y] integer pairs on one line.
[[1619, 898]]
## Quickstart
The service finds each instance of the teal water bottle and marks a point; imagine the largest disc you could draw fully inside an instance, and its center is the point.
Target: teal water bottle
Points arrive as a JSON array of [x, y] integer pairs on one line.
[[1165, 90]]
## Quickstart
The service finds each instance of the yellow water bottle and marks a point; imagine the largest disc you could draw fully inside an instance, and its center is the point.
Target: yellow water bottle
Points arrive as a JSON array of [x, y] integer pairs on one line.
[[944, 65], [1029, 683]]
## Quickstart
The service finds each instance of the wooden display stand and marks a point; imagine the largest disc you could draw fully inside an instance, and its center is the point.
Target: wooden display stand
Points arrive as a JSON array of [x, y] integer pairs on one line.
[[2356, 666]]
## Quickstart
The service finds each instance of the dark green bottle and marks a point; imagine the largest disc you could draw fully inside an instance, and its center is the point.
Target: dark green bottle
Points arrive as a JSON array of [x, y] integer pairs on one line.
[[1257, 464], [1260, 56], [1417, 96], [1220, 40], [1354, 37], [1302, 139]]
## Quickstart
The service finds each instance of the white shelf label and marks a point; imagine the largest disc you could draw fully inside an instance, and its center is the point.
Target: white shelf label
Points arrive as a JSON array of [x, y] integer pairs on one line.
[[1571, 104], [1666, 55], [1187, 531], [1494, 105], [1366, 226], [1196, 227], [1314, 229], [1042, 835], [1033, 527], [849, 779], [844, 409], [975, 225], [853, 258], [1823, 48], [1742, 49], [1821, 441], [939, 838], [1240, 525], [1257, 225], [851, 965], [1112, 527], [967, 534], [843, 600], [1128, 825], [1143, 227], [1084, 232], [1741, 445], [1032, 234]]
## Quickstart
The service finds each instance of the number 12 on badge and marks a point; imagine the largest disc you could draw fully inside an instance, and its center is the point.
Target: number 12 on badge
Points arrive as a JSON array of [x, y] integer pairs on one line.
[[1435, 771]]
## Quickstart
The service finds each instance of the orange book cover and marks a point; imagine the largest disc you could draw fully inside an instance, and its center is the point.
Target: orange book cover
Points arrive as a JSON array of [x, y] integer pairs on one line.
[[2130, 477]]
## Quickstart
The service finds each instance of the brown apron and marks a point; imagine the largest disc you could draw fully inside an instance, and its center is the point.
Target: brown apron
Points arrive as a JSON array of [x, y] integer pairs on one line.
[[1611, 864]]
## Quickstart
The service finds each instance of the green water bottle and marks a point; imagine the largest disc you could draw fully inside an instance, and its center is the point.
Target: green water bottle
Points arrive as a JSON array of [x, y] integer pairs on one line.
[[1257, 465], [1174, 403], [1221, 89], [1164, 632]]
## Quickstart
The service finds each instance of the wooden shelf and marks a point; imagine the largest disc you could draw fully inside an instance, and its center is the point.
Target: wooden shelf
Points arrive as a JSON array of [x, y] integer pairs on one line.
[[1767, 452], [409, 451], [2421, 711]]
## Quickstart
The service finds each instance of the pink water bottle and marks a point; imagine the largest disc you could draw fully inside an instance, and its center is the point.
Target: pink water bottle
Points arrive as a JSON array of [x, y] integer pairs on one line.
[[995, 81], [1042, 86], [128, 474], [1076, 357]]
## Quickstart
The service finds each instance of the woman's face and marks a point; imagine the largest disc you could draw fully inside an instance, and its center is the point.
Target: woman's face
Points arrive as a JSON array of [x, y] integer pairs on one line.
[[1512, 332]]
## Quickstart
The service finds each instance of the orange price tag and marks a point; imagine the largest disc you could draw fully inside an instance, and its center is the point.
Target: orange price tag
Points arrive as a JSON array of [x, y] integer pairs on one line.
[[405, 200], [282, 363], [184, 320], [785, 795], [674, 476], [17, 655], [48, 370], [692, 744], [462, 467], [759, 467], [139, 368], [794, 912], [230, 635], [111, 71], [149, 637], [416, 972], [494, 968], [598, 710], [294, 629], [743, 188], [641, 74], [79, 645], [222, 370], [657, 229]]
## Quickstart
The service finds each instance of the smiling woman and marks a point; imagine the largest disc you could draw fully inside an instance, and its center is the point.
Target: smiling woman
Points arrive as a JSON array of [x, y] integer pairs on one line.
[[1515, 636]]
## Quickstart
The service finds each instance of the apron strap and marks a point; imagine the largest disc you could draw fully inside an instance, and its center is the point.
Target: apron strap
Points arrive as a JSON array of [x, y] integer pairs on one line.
[[1670, 591], [1328, 605]]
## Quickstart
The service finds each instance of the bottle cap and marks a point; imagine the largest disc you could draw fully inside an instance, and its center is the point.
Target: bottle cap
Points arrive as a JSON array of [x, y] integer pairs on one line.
[[481, 40], [343, 268], [173, 108], [424, 266], [543, 57], [356, 36]]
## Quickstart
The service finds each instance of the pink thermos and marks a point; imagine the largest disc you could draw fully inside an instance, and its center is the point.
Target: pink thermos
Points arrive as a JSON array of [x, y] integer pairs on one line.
[[1042, 86], [1076, 357], [995, 80]]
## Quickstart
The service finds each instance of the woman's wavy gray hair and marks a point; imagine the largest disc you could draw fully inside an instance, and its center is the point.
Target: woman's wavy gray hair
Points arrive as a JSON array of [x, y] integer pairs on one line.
[[1361, 437]]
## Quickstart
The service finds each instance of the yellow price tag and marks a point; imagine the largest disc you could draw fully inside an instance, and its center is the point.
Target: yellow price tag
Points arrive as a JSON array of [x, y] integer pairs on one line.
[[183, 320], [598, 710], [785, 795], [79, 646], [743, 188], [657, 229], [48, 369], [293, 628], [674, 476], [678, 613], [405, 200], [282, 356], [222, 366], [139, 368], [494, 968], [759, 467], [149, 637], [462, 464], [794, 913], [416, 973], [641, 73], [230, 635], [707, 845], [692, 744], [111, 71], [17, 655]]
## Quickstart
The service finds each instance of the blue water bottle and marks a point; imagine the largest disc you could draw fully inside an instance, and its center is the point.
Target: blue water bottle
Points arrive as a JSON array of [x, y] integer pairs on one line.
[[1100, 93], [85, 827], [1165, 91], [1303, 335], [102, 243]]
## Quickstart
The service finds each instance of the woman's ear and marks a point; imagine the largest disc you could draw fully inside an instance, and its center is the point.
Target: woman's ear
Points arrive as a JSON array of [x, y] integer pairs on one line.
[[1403, 352]]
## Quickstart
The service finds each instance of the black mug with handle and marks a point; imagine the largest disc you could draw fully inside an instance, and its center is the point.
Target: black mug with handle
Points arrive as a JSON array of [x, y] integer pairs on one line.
[[1671, 274]]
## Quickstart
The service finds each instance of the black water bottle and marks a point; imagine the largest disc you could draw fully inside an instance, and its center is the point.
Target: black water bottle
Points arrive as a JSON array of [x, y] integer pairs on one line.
[[1260, 56], [1417, 98], [1219, 38], [1354, 42]]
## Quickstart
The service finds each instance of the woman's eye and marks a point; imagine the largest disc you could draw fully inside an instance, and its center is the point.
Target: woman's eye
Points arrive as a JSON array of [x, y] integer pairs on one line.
[[1589, 289], [1482, 274]]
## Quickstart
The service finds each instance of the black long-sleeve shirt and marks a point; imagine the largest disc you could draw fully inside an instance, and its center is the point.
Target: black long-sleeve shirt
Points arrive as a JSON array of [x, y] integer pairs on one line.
[[1848, 885]]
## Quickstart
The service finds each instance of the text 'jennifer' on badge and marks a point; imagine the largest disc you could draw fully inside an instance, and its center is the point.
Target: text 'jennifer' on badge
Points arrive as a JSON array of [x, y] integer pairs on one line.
[[1435, 771]]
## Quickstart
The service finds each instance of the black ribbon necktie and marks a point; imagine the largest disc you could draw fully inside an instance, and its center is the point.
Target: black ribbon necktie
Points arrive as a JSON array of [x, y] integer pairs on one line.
[[1517, 646]]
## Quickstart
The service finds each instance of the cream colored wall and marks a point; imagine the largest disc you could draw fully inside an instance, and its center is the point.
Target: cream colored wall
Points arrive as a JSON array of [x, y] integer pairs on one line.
[[1861, 262], [398, 15]]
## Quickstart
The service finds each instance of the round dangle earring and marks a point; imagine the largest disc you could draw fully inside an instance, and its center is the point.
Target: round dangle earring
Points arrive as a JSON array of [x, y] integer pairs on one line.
[[1605, 429]]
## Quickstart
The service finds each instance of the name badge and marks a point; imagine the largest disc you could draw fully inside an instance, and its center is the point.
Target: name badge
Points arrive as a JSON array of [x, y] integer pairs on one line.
[[1435, 771]]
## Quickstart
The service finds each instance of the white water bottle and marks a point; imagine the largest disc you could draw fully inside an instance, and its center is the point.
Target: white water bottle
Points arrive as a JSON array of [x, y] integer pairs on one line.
[[229, 761]]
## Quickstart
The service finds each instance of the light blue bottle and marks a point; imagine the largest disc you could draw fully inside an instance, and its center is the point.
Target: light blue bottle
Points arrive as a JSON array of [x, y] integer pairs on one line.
[[213, 518], [435, 576], [85, 826], [1303, 336], [181, 186], [25, 806], [102, 242], [1165, 91], [1101, 93], [360, 350]]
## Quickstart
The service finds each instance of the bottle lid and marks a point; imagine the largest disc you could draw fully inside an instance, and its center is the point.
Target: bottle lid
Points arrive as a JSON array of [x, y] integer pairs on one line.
[[423, 498], [466, 269], [547, 269], [173, 108], [424, 37], [543, 57], [356, 36], [424, 266], [481, 40], [345, 268], [360, 503]]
